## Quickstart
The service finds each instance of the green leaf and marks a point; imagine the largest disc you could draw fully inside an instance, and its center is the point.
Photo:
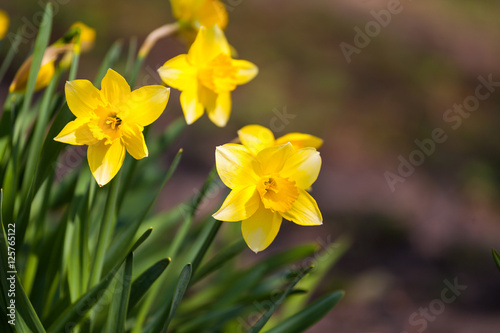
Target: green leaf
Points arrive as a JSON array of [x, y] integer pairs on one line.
[[8, 272], [263, 320], [219, 259], [323, 262], [78, 310], [496, 257], [142, 284], [180, 289], [123, 240], [309, 316], [119, 305]]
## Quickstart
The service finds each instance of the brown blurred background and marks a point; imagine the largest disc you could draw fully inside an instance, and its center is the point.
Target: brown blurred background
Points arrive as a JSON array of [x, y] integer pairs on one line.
[[440, 223]]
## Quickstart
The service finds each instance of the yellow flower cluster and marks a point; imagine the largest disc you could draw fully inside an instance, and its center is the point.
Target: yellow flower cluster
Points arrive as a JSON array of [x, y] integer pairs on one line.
[[269, 178], [4, 24]]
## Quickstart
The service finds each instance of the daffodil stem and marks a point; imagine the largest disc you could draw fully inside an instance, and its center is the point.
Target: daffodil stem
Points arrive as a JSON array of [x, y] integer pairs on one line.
[[105, 231]]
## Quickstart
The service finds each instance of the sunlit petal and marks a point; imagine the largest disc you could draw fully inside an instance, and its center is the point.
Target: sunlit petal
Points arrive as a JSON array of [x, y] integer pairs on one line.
[[191, 106], [209, 43], [256, 137], [133, 139], [77, 132], [304, 210], [261, 229], [114, 88], [235, 166], [272, 159], [82, 97], [303, 167], [220, 111], [300, 140], [178, 73], [145, 105], [105, 160], [240, 204], [246, 70]]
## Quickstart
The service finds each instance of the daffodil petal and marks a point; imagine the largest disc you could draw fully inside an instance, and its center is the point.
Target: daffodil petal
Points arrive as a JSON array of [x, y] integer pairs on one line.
[[145, 105], [272, 159], [114, 88], [304, 210], [82, 97], [133, 139], [105, 160], [77, 132], [220, 111], [256, 137], [303, 167], [300, 140], [235, 166], [191, 106], [209, 43], [178, 73], [246, 71], [239, 205], [261, 229], [212, 12], [44, 76]]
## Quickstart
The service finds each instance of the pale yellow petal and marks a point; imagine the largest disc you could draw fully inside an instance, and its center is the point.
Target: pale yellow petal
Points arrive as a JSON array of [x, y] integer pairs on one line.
[[212, 12], [191, 106], [105, 160], [272, 159], [304, 210], [77, 132], [45, 74], [300, 140], [303, 167], [239, 205], [179, 73], [133, 140], [261, 229], [114, 88], [209, 43], [145, 105], [235, 165], [256, 137], [246, 71], [220, 111], [82, 97]]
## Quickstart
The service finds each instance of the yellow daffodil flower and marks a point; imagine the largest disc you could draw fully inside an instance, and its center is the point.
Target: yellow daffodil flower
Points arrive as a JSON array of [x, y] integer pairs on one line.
[[4, 23], [206, 76], [66, 45], [256, 137], [111, 120], [267, 187], [197, 13]]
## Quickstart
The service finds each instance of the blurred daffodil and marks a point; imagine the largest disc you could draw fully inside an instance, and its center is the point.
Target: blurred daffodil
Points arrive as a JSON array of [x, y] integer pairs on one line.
[[206, 76], [4, 23], [111, 120], [198, 13], [45, 73], [267, 187], [256, 137], [66, 45]]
